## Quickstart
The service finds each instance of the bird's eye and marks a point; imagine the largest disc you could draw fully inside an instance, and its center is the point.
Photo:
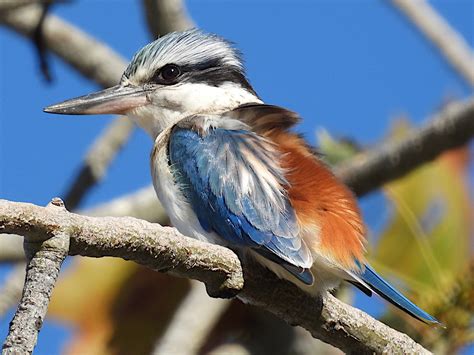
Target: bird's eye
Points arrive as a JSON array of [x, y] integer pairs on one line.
[[170, 72]]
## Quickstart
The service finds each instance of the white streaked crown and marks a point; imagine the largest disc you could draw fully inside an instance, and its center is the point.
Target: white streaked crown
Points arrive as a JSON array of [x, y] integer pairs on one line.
[[191, 47]]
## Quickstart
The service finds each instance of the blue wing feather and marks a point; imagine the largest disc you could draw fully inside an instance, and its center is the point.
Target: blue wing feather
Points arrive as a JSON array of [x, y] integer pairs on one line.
[[208, 167], [385, 290]]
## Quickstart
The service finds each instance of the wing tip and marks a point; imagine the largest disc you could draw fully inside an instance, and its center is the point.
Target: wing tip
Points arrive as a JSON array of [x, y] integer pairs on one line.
[[386, 291]]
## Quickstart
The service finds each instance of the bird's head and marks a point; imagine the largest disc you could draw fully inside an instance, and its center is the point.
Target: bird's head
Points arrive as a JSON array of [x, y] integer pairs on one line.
[[178, 75]]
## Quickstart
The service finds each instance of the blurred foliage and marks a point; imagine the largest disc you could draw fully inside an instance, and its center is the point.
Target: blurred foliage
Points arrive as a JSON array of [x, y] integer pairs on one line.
[[115, 306], [335, 151]]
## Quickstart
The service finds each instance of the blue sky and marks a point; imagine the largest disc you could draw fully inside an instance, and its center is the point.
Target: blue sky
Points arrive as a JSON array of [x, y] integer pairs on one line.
[[347, 66]]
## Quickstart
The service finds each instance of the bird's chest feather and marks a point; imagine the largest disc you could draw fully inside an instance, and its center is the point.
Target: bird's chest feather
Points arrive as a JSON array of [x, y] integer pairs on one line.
[[170, 195]]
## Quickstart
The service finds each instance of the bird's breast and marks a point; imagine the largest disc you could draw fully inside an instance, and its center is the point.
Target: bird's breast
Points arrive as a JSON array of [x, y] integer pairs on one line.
[[170, 195]]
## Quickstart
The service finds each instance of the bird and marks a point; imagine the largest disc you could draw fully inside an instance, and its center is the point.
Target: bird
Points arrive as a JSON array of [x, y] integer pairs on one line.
[[229, 169]]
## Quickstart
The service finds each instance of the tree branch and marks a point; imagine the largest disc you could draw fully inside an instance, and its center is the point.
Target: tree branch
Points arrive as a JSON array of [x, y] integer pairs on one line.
[[163, 248], [452, 127], [141, 204], [90, 57], [197, 312], [44, 262], [11, 249], [99, 157], [95, 237], [165, 16], [451, 44]]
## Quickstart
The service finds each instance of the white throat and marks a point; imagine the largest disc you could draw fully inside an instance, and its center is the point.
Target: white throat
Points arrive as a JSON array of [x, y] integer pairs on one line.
[[171, 104]]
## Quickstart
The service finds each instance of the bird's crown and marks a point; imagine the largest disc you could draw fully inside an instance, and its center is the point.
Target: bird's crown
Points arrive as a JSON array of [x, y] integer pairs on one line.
[[190, 51]]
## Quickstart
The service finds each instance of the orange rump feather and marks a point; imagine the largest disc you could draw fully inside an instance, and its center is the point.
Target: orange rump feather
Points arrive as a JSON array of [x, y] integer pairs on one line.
[[321, 202]]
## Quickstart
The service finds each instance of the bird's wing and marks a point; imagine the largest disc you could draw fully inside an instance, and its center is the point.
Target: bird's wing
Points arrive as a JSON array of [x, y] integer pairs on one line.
[[263, 118], [233, 180]]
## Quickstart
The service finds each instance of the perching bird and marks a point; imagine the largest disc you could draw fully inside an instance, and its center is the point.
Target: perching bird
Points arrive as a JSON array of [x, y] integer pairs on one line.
[[228, 170]]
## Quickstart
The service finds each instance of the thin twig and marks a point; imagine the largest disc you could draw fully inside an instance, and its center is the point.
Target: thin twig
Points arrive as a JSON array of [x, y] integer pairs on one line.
[[165, 16], [90, 57], [450, 43], [141, 204], [198, 313], [452, 127], [38, 40], [163, 248], [44, 262], [99, 157]]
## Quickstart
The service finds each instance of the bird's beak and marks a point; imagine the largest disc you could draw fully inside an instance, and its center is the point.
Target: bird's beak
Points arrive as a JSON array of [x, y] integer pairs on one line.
[[117, 100]]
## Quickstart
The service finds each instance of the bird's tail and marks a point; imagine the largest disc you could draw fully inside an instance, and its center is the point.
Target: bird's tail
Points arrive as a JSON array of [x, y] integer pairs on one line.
[[385, 290]]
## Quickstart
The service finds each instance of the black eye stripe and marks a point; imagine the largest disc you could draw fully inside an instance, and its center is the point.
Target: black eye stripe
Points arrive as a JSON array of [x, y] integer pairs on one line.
[[220, 75], [211, 72], [187, 68]]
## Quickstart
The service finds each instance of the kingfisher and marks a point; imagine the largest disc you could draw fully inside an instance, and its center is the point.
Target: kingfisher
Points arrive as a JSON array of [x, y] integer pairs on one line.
[[229, 170]]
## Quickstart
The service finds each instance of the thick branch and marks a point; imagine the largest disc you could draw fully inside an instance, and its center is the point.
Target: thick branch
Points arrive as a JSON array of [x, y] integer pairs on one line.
[[450, 43], [44, 262], [326, 318], [141, 204], [451, 128], [152, 245], [163, 248]]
